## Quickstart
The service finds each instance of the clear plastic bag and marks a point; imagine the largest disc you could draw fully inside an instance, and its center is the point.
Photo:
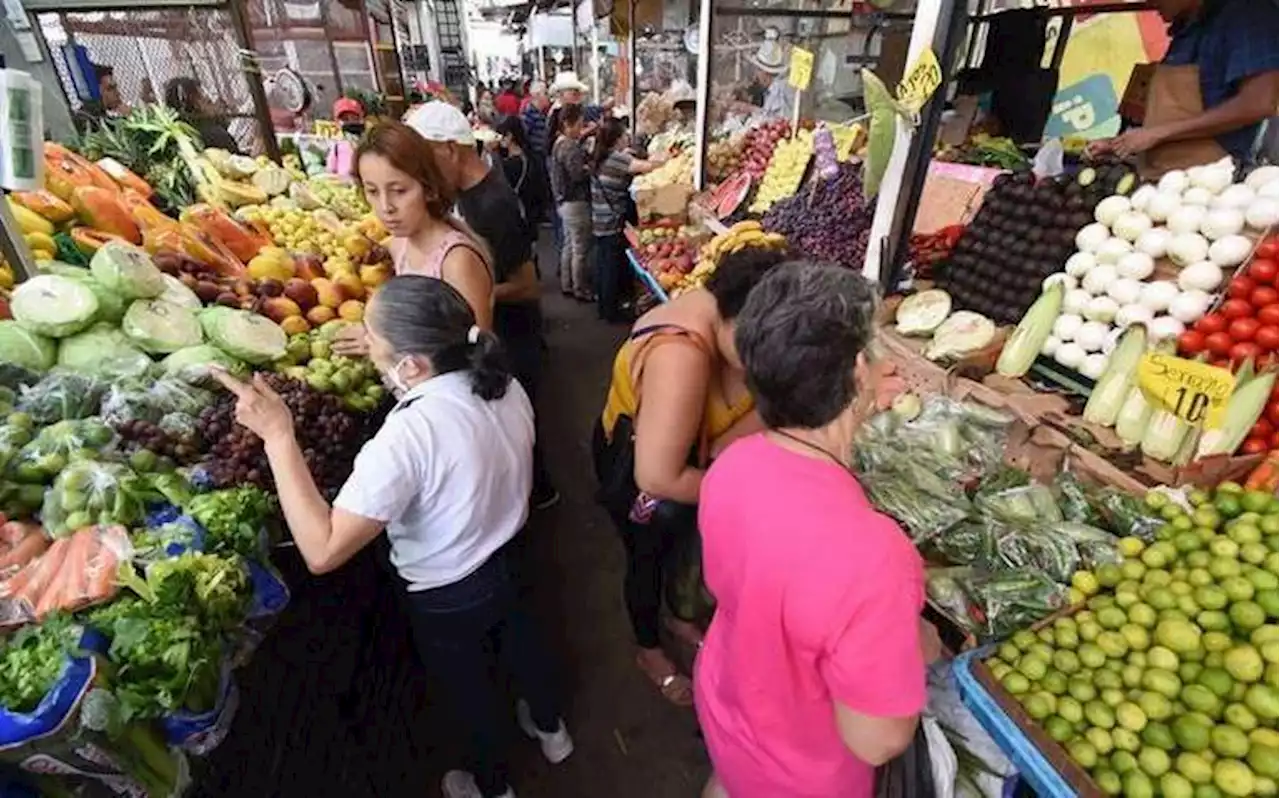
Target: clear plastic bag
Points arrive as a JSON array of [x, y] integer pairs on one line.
[[13, 436], [1040, 549], [924, 515], [90, 492], [135, 400], [1030, 504], [1096, 546], [1007, 601], [76, 571], [58, 444], [1073, 499], [62, 395], [1126, 515]]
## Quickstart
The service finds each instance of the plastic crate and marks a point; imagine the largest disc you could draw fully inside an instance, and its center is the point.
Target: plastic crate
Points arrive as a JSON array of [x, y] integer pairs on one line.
[[1035, 767]]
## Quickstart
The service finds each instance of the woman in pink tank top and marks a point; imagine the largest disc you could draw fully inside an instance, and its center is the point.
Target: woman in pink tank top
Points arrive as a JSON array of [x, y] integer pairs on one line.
[[411, 198]]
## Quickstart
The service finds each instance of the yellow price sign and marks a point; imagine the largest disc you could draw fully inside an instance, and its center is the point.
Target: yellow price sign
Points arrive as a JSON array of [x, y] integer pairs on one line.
[[326, 129], [1195, 392], [920, 82], [801, 71]]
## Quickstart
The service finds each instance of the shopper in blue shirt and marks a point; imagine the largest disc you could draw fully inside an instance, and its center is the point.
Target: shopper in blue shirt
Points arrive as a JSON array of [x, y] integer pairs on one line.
[[1222, 58]]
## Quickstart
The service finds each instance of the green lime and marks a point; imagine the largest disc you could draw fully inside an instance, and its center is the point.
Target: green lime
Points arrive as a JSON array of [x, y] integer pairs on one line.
[[1059, 729], [1091, 656], [1123, 761], [1253, 553], [1112, 697], [1107, 575], [1188, 671], [1199, 577], [1215, 641], [1181, 637], [1213, 621], [1188, 606], [1223, 567], [1070, 710], [1009, 653], [1159, 735], [1138, 785], [1227, 505], [1126, 599], [1143, 615], [1225, 547], [1165, 683], [1066, 637], [1045, 636], [1111, 617], [1085, 755], [1099, 714], [1174, 785], [1160, 597], [1041, 651], [1269, 600], [1054, 682], [1154, 761], [1201, 699], [1107, 679], [1081, 689], [1023, 639], [1266, 638], [1130, 716], [1262, 579], [1113, 644], [1233, 777], [1126, 740], [1264, 761], [1191, 732], [1210, 597], [1089, 630], [1100, 739], [1109, 782], [1238, 715], [1246, 616], [1263, 700], [1153, 557], [1187, 541], [1214, 659], [1162, 658], [1244, 663], [999, 669], [1016, 683], [1206, 516], [1138, 658], [1236, 588], [1198, 559], [1217, 681], [1244, 534], [1037, 706], [1155, 705], [1133, 569], [1066, 662], [1255, 501], [1229, 741], [1136, 637], [1194, 767]]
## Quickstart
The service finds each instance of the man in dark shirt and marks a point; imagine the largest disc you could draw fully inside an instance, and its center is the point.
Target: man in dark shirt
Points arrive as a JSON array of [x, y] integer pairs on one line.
[[1234, 44], [491, 208]]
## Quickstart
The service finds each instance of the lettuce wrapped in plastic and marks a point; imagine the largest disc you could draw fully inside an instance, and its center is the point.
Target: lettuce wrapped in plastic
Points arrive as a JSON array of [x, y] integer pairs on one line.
[[53, 306], [62, 394], [192, 364], [127, 270], [144, 400], [102, 350], [161, 327], [90, 492], [27, 349], [244, 335]]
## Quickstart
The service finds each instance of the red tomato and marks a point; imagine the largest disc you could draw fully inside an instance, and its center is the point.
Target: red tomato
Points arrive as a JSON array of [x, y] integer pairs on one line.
[[1254, 446], [1191, 342], [1240, 287], [1273, 440], [1243, 329], [1260, 429], [1272, 413], [1220, 362], [1246, 350], [1264, 295], [1236, 309], [1211, 323], [1268, 338], [1269, 316], [1269, 248], [1262, 270], [1218, 343]]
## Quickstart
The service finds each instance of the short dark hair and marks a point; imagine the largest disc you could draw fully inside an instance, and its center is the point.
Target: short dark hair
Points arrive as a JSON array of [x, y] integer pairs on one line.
[[737, 273], [799, 336], [570, 115], [101, 71]]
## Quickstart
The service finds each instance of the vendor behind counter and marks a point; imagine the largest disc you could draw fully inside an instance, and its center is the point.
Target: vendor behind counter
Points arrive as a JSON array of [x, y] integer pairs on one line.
[[1215, 87]]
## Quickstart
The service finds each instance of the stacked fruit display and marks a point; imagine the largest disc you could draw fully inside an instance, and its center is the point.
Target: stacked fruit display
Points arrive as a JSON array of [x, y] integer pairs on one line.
[[741, 235], [786, 170], [1244, 326], [759, 144], [724, 157], [676, 172], [1165, 683], [309, 357]]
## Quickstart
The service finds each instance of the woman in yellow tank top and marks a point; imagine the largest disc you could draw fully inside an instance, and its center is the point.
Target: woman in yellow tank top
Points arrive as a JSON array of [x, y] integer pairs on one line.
[[681, 359]]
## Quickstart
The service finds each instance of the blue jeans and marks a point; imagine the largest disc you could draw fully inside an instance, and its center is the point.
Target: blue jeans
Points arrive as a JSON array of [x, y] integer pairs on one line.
[[465, 632], [613, 276]]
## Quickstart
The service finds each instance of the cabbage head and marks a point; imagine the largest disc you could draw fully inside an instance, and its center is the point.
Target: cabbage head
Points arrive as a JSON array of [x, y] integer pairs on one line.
[[243, 335], [110, 304], [161, 327], [103, 351], [53, 306], [127, 270], [192, 364], [21, 347]]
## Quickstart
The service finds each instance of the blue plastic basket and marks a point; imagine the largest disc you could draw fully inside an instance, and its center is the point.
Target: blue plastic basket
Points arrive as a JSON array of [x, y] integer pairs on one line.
[[1035, 769], [645, 277]]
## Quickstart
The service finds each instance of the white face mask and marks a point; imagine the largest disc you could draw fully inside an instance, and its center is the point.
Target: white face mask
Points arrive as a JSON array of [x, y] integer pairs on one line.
[[392, 379]]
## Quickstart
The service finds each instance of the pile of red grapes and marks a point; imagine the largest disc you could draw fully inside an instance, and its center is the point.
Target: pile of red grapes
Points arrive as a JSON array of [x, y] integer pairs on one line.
[[830, 222], [140, 434], [330, 437]]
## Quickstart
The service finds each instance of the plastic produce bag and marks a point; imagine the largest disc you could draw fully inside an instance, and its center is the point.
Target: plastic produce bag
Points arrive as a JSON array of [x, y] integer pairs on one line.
[[968, 542], [14, 436], [1030, 504], [923, 515], [89, 492], [945, 588], [62, 395], [1073, 499], [1126, 515], [1037, 548], [74, 572], [199, 733], [1002, 603], [48, 454], [1096, 546], [147, 400]]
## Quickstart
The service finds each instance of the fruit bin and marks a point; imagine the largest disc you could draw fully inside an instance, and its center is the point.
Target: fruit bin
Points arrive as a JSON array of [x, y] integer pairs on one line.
[[1041, 762]]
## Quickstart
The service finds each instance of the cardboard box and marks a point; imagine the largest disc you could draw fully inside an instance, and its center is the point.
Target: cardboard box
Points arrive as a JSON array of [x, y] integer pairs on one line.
[[663, 202]]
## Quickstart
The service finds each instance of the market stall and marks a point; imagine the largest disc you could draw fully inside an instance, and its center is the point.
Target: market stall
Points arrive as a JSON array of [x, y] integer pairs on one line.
[[138, 523]]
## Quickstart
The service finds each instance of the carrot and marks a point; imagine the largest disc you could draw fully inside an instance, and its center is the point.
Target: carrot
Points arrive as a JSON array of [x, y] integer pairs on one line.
[[46, 568], [102, 580], [12, 532], [30, 547], [65, 584], [1266, 476]]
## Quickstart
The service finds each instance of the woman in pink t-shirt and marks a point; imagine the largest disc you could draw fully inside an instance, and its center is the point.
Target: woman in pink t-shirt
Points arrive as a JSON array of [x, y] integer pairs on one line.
[[812, 672]]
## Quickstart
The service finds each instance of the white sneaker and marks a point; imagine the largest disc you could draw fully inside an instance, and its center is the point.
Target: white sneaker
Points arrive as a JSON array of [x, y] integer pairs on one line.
[[461, 784], [556, 745]]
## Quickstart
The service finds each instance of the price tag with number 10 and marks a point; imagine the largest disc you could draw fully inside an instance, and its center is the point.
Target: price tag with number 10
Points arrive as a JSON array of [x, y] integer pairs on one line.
[[1195, 392]]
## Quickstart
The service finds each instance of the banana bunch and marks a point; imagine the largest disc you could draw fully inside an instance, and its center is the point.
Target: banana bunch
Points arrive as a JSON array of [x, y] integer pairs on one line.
[[37, 230], [747, 233]]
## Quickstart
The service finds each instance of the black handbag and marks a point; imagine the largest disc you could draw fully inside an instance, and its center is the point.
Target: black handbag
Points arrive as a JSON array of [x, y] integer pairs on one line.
[[614, 460], [909, 774]]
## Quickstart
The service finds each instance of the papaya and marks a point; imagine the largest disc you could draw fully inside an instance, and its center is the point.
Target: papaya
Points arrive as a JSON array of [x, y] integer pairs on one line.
[[88, 240], [242, 239], [65, 171], [102, 210], [191, 241], [144, 213], [125, 179], [45, 203]]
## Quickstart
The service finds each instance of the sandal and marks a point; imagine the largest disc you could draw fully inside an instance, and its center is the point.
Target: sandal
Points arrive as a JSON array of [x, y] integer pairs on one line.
[[686, 632], [674, 686]]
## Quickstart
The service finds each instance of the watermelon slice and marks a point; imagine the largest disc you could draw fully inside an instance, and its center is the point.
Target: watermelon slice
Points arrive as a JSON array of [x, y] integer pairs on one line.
[[731, 194]]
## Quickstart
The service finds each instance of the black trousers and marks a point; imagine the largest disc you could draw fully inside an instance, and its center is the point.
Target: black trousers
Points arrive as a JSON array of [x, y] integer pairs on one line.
[[472, 635], [526, 353], [613, 277]]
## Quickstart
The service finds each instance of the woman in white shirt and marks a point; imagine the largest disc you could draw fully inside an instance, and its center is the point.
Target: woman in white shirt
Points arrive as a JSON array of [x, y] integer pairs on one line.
[[448, 477]]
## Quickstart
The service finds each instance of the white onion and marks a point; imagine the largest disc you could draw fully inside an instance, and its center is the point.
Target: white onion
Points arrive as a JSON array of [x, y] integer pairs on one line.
[[1262, 213], [1094, 366], [1124, 291], [1112, 250], [1222, 222], [1200, 197], [1070, 354], [1186, 219], [1130, 225], [1076, 300], [1092, 236], [1102, 309], [1139, 199], [1203, 276], [1097, 280], [1271, 190], [1110, 209], [1050, 346], [1066, 325], [1092, 335], [1189, 306], [1068, 282], [1136, 266], [1261, 176], [1080, 264], [1237, 196], [1158, 294], [1162, 328], [1175, 181], [1188, 248], [1133, 314], [1162, 206], [1154, 242], [1230, 251]]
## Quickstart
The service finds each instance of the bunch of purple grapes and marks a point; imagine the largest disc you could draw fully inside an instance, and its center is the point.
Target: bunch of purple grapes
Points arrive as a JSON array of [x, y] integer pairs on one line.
[[829, 220]]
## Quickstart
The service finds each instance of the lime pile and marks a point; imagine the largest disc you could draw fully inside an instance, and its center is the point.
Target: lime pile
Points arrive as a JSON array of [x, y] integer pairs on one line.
[[1165, 683]]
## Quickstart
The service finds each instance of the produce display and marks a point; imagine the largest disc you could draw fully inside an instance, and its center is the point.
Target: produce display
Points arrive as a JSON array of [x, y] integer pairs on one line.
[[759, 145], [668, 250], [1165, 681], [785, 172], [1244, 325], [724, 157], [981, 149], [831, 222], [741, 235], [676, 172], [1024, 232]]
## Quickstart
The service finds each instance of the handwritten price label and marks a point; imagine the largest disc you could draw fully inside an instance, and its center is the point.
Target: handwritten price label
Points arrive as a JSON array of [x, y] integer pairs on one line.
[[326, 129], [1195, 392], [801, 71], [920, 82]]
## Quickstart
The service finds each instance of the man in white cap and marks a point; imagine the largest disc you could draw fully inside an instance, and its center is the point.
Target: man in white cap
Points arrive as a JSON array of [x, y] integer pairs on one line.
[[490, 206], [771, 68]]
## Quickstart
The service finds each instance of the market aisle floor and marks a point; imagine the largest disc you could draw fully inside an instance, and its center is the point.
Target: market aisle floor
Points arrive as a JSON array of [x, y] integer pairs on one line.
[[333, 703]]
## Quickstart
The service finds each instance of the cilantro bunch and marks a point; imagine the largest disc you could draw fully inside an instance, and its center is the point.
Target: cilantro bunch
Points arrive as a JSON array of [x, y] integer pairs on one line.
[[234, 519]]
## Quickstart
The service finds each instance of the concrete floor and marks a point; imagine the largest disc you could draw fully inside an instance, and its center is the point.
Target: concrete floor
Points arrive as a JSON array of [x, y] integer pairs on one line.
[[334, 704]]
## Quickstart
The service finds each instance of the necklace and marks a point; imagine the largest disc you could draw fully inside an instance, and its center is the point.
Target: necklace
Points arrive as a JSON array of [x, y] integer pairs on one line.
[[815, 447]]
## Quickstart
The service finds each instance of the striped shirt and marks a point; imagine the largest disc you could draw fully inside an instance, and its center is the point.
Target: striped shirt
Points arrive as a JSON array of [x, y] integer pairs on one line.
[[609, 194]]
